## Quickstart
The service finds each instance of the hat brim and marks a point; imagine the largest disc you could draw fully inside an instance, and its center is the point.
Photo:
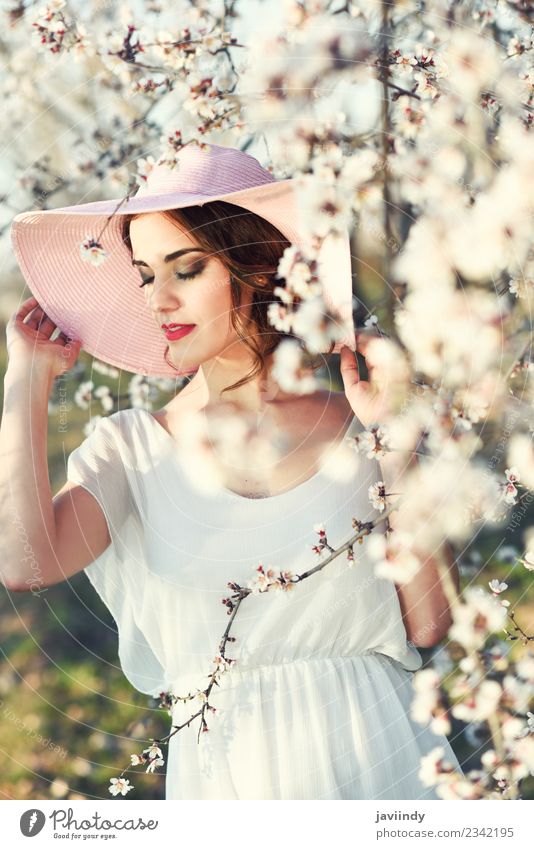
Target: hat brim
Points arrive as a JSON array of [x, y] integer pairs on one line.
[[104, 307]]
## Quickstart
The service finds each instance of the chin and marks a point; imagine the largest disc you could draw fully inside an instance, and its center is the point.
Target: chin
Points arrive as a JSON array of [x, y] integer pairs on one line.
[[187, 363], [183, 363]]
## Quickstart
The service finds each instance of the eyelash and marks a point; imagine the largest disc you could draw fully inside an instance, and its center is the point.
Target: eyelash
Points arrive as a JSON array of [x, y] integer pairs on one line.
[[177, 275]]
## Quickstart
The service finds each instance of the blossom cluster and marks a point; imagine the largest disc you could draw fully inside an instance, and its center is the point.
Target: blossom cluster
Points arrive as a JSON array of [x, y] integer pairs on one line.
[[269, 579], [372, 442], [300, 308]]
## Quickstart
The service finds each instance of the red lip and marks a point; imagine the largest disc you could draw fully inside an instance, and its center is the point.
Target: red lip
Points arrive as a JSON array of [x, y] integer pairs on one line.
[[173, 331]]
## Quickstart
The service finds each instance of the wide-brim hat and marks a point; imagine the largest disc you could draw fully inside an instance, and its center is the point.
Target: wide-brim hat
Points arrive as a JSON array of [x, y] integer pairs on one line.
[[103, 305]]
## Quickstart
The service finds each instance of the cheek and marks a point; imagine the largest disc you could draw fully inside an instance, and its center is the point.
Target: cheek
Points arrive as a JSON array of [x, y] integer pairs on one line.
[[212, 298]]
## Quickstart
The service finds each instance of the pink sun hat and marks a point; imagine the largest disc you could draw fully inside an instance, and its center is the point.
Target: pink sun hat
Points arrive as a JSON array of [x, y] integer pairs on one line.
[[103, 306]]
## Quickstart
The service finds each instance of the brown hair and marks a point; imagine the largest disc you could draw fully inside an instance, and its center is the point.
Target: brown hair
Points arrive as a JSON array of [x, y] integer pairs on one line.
[[250, 247]]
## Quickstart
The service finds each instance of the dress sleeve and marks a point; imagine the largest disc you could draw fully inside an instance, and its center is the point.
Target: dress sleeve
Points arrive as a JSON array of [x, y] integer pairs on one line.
[[103, 465]]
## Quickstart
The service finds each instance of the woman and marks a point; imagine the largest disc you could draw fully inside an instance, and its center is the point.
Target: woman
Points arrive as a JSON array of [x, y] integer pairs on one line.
[[317, 702]]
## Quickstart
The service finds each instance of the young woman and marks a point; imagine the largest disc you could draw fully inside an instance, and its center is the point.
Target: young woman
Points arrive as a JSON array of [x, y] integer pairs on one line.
[[317, 702]]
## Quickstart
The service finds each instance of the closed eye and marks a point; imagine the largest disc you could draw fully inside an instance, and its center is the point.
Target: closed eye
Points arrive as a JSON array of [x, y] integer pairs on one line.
[[179, 275]]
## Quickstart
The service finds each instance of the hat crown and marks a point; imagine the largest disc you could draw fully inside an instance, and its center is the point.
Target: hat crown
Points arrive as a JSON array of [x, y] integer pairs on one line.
[[217, 170]]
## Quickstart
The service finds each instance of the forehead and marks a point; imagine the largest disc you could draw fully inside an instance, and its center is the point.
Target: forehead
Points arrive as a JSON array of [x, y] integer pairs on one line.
[[156, 235]]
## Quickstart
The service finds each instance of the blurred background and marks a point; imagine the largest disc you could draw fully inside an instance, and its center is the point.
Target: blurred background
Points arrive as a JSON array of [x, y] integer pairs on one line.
[[67, 714]]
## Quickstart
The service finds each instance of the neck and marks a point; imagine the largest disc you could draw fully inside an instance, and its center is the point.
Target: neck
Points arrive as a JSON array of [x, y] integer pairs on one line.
[[255, 396]]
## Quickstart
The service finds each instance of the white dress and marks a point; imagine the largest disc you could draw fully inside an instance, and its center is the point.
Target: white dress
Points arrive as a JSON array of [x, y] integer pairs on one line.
[[317, 704]]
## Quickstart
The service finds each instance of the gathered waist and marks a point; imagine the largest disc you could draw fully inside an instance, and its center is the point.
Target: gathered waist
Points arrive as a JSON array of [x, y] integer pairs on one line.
[[245, 668], [253, 667]]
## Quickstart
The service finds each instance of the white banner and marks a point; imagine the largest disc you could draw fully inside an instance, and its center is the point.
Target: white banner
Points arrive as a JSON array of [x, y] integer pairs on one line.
[[358, 824]]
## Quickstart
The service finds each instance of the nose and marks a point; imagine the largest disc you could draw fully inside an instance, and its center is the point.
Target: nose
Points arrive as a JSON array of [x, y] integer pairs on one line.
[[163, 297]]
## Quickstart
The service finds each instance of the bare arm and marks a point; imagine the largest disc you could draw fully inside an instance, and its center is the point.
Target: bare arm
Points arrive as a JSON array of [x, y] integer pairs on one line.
[[43, 539], [424, 605]]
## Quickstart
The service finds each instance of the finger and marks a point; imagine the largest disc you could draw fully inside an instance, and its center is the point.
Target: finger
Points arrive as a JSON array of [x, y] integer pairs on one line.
[[41, 323], [40, 319], [26, 307], [46, 326], [35, 318], [348, 364], [362, 344]]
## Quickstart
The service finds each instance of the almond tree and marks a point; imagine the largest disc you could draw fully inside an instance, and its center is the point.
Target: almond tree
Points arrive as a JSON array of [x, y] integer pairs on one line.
[[410, 124]]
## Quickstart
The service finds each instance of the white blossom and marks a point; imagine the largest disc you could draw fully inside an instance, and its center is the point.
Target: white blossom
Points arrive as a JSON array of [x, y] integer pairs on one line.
[[90, 425], [323, 208], [92, 251], [518, 693], [144, 168], [478, 615], [497, 586], [377, 495], [339, 463], [394, 559], [472, 62], [313, 324], [372, 321], [373, 443], [434, 767], [521, 456], [105, 396], [104, 368], [523, 751], [525, 667], [452, 335], [120, 785], [83, 394], [426, 699], [481, 704], [288, 369]]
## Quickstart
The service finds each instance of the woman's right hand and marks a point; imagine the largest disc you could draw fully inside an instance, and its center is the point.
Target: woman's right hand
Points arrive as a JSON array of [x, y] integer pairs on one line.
[[28, 341]]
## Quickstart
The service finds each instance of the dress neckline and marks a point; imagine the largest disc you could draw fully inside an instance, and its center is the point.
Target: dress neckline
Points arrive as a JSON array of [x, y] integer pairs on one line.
[[236, 496]]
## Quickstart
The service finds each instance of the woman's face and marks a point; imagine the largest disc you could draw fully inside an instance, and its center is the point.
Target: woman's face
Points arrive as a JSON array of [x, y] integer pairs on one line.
[[190, 289]]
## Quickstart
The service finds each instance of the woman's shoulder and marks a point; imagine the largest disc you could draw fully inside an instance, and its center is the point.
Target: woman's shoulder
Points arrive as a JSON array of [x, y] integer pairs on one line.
[[115, 429], [116, 421]]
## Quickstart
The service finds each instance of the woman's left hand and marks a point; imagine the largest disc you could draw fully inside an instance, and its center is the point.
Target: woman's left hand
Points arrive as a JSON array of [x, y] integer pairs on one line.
[[370, 402]]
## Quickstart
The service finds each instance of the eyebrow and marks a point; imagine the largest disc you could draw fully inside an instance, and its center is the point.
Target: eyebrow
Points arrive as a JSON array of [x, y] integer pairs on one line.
[[169, 257]]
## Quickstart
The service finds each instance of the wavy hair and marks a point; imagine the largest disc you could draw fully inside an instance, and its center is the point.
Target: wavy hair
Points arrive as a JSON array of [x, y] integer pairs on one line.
[[250, 248]]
